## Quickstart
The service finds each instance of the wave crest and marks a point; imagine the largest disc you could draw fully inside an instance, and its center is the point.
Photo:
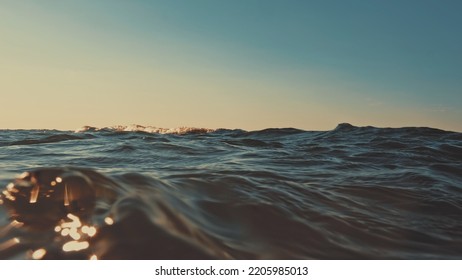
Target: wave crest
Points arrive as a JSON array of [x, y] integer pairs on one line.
[[148, 129]]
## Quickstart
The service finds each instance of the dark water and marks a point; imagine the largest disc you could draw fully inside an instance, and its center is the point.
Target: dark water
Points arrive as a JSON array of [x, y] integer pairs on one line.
[[348, 193]]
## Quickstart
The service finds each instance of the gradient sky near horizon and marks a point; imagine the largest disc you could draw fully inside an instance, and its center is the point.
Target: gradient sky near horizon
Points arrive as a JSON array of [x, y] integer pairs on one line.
[[234, 64]]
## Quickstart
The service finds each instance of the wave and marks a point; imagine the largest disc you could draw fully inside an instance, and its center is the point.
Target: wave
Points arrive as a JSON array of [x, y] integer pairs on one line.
[[127, 193], [147, 129], [80, 213], [48, 139], [342, 127]]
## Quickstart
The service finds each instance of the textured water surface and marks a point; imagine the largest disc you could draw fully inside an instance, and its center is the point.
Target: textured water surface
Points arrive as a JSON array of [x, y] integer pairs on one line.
[[146, 193]]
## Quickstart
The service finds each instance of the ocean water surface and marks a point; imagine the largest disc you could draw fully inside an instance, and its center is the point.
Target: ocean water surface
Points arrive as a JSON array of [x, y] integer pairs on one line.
[[146, 193]]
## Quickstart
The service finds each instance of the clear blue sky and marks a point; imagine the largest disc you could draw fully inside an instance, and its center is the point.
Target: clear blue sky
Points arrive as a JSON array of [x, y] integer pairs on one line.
[[236, 64]]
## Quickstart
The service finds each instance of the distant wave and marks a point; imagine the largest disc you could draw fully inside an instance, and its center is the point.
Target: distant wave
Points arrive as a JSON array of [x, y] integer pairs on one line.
[[47, 139], [267, 131], [148, 129]]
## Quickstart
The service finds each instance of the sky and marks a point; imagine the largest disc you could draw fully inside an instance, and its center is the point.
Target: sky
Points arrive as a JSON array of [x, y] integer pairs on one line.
[[248, 64]]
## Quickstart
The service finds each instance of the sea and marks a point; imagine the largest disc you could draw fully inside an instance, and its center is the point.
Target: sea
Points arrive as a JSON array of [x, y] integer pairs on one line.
[[135, 192]]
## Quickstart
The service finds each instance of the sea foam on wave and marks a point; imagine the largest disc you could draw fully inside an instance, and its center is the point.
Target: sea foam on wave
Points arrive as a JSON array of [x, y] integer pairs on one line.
[[148, 129]]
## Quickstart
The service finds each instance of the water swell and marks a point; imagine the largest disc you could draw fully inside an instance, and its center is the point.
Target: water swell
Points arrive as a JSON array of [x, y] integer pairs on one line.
[[109, 219], [349, 193], [48, 139]]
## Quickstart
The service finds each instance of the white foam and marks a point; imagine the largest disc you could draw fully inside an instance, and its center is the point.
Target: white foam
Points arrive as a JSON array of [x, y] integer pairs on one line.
[[148, 129]]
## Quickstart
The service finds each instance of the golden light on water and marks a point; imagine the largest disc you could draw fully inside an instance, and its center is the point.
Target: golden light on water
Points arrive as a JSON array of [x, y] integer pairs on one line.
[[8, 195], [76, 231], [34, 194], [108, 220], [9, 243], [15, 223], [90, 231], [66, 196], [74, 224], [11, 188], [5, 229], [73, 217], [71, 228], [74, 234], [33, 179], [24, 175], [39, 254], [65, 232], [75, 246]]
